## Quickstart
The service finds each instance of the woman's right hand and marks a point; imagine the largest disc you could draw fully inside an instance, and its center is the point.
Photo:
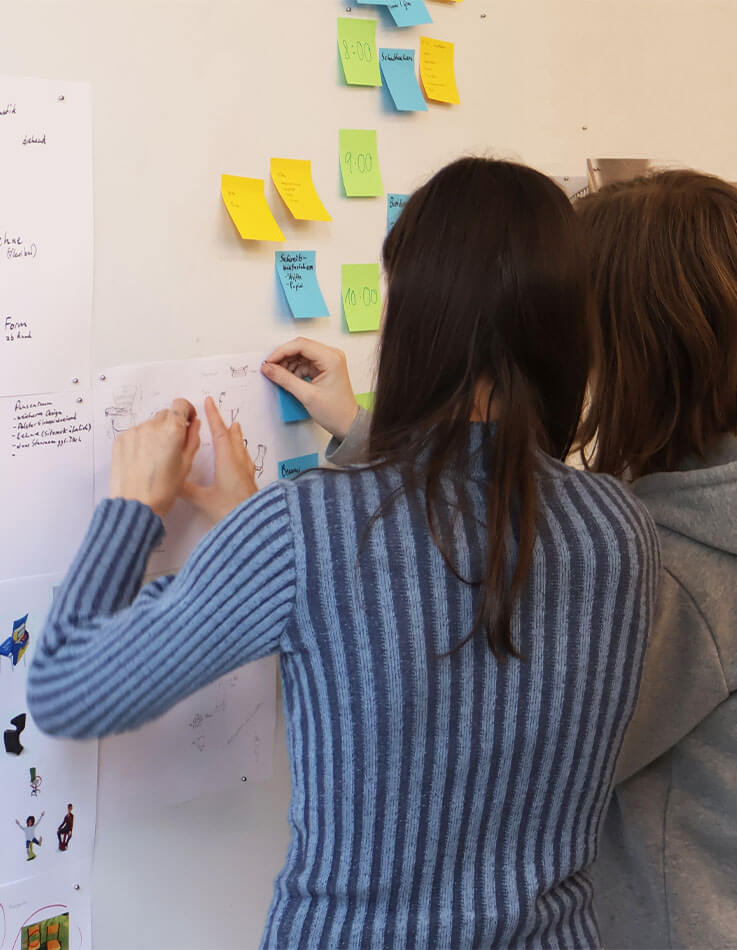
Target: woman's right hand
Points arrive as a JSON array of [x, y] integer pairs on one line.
[[328, 397]]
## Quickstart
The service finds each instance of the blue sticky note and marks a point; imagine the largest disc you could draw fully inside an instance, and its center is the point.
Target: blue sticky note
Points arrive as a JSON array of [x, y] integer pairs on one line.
[[394, 206], [292, 409], [298, 277], [409, 12], [289, 468], [398, 69]]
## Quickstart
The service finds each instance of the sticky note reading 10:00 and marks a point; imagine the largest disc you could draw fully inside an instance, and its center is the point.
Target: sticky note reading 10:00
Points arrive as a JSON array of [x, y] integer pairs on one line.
[[246, 203], [361, 300], [436, 70], [357, 47], [359, 163]]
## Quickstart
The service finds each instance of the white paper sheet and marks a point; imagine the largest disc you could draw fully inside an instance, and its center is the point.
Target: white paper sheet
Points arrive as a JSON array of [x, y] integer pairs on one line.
[[213, 739], [61, 899], [45, 234], [65, 771], [46, 480], [129, 395]]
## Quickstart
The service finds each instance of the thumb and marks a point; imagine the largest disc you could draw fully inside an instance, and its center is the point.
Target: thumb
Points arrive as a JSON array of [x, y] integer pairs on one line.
[[192, 444], [297, 387], [195, 494]]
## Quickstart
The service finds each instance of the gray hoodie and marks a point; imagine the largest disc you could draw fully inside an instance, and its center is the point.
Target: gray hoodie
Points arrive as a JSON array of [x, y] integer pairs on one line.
[[667, 869]]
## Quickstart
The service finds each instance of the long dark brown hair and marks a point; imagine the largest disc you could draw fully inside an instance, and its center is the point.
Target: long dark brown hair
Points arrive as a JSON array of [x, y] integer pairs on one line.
[[486, 288], [662, 253]]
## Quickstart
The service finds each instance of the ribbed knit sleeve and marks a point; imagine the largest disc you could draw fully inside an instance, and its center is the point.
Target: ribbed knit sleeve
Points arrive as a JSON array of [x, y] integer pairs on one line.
[[109, 660]]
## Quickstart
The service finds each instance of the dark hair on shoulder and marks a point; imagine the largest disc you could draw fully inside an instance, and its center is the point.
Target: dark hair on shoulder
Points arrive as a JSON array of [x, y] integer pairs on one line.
[[662, 252], [486, 287]]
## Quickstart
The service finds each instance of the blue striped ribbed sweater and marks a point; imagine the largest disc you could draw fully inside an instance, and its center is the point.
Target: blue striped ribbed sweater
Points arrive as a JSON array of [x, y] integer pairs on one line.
[[436, 801]]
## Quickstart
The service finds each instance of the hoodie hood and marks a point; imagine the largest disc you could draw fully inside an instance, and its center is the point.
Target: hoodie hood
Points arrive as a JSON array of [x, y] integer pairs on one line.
[[700, 500]]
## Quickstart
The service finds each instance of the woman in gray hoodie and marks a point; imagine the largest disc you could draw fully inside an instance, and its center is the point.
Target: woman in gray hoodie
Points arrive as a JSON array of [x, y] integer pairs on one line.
[[663, 414]]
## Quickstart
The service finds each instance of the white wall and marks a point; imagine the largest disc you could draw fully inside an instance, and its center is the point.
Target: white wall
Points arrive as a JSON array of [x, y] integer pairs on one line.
[[186, 89]]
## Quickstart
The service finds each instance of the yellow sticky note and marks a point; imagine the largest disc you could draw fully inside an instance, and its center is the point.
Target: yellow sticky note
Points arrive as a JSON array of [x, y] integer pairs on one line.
[[436, 70], [246, 203], [293, 180]]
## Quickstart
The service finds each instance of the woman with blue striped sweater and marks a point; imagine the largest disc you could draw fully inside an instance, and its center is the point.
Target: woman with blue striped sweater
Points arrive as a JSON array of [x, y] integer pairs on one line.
[[460, 621]]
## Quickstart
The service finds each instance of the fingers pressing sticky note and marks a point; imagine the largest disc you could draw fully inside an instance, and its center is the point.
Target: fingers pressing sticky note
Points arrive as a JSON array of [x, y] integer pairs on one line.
[[293, 180], [437, 70], [298, 278], [357, 47], [290, 468], [246, 203], [359, 163], [398, 70], [361, 298]]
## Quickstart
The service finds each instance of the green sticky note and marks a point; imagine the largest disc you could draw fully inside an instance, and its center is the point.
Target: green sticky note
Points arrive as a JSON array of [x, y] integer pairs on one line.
[[359, 163], [357, 46], [366, 400], [361, 298]]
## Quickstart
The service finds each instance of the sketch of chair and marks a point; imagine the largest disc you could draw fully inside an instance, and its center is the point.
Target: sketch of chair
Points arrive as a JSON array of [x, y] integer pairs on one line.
[[11, 737], [239, 372], [258, 462], [121, 414]]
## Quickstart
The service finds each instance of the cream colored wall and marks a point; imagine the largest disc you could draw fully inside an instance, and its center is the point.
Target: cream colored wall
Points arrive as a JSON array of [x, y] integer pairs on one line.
[[186, 89]]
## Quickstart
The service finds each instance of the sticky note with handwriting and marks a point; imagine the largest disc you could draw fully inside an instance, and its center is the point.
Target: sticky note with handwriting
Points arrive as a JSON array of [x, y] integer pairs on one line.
[[394, 207], [409, 12], [357, 47], [437, 71], [298, 278], [290, 468], [292, 409], [361, 298], [246, 203], [359, 163], [398, 70], [293, 180]]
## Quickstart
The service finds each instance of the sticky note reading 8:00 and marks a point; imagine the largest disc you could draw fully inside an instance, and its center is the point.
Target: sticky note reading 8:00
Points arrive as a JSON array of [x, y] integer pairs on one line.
[[357, 47], [361, 298], [359, 163]]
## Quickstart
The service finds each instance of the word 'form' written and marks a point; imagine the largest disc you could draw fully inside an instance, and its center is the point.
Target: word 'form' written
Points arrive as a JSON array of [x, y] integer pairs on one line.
[[45, 235]]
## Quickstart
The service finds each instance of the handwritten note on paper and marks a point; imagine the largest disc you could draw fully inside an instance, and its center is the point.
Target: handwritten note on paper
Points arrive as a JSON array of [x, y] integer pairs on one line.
[[437, 71], [46, 235], [394, 207], [45, 480], [409, 12], [357, 47], [361, 297], [359, 163], [246, 203], [398, 70], [293, 180], [290, 468], [298, 278], [291, 409]]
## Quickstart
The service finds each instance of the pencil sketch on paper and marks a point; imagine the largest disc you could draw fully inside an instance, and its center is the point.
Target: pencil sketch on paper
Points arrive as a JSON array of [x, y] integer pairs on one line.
[[121, 414], [239, 372]]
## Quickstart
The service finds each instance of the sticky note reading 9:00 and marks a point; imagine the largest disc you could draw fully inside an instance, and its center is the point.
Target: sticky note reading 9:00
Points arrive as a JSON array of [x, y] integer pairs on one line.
[[361, 299], [359, 163]]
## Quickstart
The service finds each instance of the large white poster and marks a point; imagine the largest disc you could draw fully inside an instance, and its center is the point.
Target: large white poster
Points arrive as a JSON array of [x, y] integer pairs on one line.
[[45, 235]]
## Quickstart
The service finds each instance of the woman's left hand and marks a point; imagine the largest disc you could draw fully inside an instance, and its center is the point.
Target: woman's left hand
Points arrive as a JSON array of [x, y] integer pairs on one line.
[[151, 461]]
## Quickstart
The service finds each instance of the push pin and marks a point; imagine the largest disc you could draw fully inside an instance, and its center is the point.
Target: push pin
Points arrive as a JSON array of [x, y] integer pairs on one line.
[[76, 887], [243, 778], [79, 399], [102, 377], [75, 379], [60, 98], [483, 16]]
